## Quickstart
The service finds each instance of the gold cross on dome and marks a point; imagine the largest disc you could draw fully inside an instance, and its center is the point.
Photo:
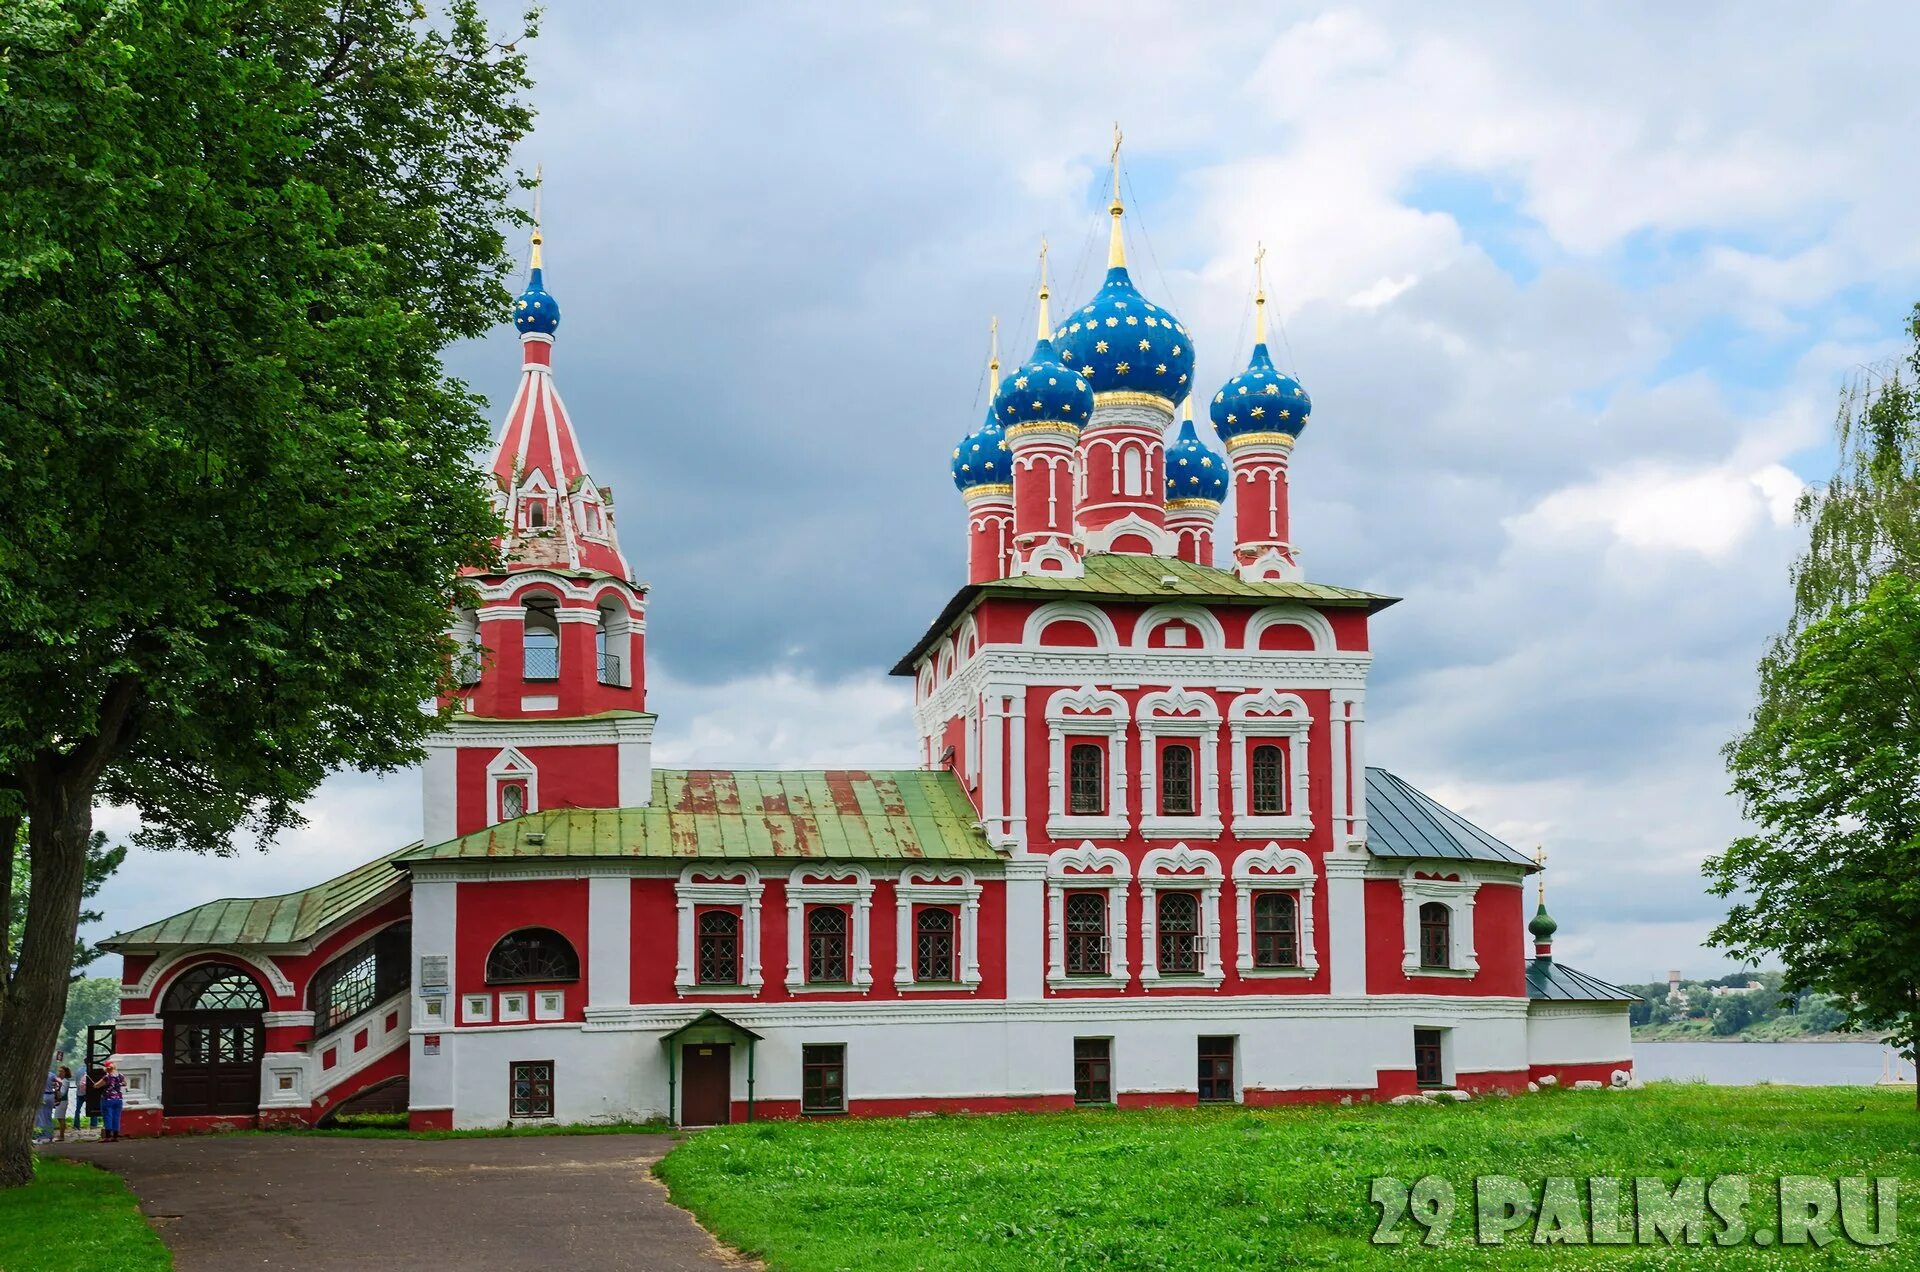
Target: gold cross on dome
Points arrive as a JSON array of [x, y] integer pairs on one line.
[[1540, 860], [1113, 157]]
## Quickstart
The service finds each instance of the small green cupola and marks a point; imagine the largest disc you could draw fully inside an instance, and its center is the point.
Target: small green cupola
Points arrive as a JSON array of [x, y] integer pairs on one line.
[[1543, 927]]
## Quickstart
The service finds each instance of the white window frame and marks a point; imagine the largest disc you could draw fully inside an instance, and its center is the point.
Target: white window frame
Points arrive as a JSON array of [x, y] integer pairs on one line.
[[951, 886], [1454, 889], [848, 885], [1088, 868], [513, 1006], [734, 886], [549, 1004], [476, 1009], [507, 768], [1261, 716], [1079, 712], [1173, 870], [1187, 715], [1273, 869]]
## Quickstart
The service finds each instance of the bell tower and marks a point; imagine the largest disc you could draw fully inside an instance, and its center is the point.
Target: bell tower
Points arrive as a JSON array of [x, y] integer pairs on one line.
[[552, 706]]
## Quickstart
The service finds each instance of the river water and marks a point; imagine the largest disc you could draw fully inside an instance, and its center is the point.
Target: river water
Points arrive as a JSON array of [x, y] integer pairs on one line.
[[1750, 1063]]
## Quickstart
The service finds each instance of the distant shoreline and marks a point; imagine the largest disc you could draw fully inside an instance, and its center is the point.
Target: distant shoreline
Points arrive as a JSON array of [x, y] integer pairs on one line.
[[1661, 1036]]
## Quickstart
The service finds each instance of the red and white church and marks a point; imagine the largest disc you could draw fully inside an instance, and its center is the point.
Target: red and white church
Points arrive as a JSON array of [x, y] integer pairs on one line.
[[1144, 860]]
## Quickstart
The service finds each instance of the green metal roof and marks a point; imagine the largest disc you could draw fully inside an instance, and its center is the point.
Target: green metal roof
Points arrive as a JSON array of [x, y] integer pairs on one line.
[[1548, 981], [1404, 822], [283, 920], [1125, 576], [743, 815]]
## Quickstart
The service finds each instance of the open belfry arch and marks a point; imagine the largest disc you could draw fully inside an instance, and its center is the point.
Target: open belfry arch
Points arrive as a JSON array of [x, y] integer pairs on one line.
[[1145, 860]]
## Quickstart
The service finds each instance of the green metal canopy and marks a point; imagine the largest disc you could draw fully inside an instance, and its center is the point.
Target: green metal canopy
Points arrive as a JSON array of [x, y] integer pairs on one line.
[[1404, 822], [1125, 576], [1548, 981], [742, 815]]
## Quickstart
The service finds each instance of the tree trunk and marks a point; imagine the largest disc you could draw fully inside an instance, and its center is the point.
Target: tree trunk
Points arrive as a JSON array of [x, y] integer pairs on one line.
[[59, 825]]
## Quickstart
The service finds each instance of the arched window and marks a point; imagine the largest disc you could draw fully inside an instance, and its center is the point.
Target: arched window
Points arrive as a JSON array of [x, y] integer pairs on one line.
[[1087, 780], [532, 954], [1176, 781], [1436, 935], [513, 800], [360, 979], [540, 641], [215, 987], [1269, 780], [1177, 919], [827, 946], [536, 514], [1276, 930], [1133, 471], [717, 956], [933, 945], [468, 654], [1086, 934]]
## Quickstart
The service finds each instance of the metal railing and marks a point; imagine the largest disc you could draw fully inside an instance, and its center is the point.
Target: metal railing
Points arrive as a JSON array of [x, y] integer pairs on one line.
[[541, 662], [609, 671]]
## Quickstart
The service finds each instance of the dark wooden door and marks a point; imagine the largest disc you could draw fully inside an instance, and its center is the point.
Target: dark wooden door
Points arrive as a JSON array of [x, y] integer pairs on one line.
[[213, 1063], [706, 1084]]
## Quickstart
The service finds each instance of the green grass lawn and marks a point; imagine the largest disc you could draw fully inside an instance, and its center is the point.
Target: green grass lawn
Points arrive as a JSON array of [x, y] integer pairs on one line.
[[1229, 1188], [74, 1218]]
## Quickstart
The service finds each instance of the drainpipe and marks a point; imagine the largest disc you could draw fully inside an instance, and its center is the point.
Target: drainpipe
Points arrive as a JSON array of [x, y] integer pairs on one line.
[[749, 1079], [673, 1109]]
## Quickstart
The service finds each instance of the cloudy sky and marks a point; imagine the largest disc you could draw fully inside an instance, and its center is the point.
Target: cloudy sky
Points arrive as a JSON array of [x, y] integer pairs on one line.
[[1574, 289]]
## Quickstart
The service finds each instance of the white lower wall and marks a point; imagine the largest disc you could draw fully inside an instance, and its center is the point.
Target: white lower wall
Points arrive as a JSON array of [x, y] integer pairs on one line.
[[1579, 1033]]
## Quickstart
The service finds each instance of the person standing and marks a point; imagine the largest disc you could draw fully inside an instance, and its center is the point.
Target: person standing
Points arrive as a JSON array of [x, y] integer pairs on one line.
[[96, 1084], [63, 1104], [49, 1097], [113, 1090]]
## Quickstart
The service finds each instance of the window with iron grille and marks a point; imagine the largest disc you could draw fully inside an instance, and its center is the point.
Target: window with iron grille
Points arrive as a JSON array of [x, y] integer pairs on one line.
[[717, 948], [1436, 935], [1176, 781], [933, 945], [1177, 925], [827, 945], [1269, 780], [540, 643], [1276, 930], [1086, 780], [530, 1088], [1093, 1071], [1086, 934], [823, 1077], [360, 979], [1429, 1064], [1216, 1070], [532, 954]]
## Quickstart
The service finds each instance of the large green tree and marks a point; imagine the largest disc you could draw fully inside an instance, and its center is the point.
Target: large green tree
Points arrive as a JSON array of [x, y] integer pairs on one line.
[[235, 237], [1829, 775]]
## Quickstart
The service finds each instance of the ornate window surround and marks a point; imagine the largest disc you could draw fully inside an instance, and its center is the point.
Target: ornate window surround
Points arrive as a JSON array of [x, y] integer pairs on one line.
[[1454, 889], [1258, 716], [1095, 713], [1171, 870], [719, 885], [1098, 869], [932, 885], [827, 884], [1204, 728], [508, 767], [1273, 869]]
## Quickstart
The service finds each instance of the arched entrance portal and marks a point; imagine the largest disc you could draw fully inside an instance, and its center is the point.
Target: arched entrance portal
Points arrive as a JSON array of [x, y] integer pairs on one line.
[[214, 1038]]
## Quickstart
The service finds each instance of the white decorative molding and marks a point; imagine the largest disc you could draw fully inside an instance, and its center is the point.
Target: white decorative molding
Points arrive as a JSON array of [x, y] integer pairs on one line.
[[514, 1008], [1048, 560], [1455, 889], [476, 1008], [832, 884], [1095, 619], [1259, 716], [167, 965], [1316, 624], [717, 883], [1085, 869], [1101, 538], [511, 767], [282, 1019], [937, 885], [1180, 713], [1273, 869], [1213, 637], [1087, 711], [549, 1004], [1180, 869]]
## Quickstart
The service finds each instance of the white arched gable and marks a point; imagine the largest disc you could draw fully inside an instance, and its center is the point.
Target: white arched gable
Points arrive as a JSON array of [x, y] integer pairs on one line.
[[1095, 618], [163, 970], [1180, 702], [1212, 635], [1089, 859], [967, 642], [1273, 869], [1274, 616]]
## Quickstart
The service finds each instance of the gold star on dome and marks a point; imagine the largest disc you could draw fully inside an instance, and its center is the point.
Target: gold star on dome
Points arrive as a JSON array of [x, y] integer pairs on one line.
[[1075, 329], [1177, 327], [1176, 351], [1273, 388], [1099, 346], [1119, 304], [1113, 322], [1037, 404], [1087, 310], [1121, 367], [956, 452], [1258, 411], [1161, 369], [1132, 321], [1020, 383], [1145, 345], [1183, 378], [1193, 481], [1284, 413], [1080, 385], [1243, 388], [1153, 322], [1183, 461], [523, 304], [1206, 463], [1231, 417], [1220, 396]]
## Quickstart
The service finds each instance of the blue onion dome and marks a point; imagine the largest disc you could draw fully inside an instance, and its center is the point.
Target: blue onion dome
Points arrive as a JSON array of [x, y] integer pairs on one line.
[[982, 459], [536, 310], [1121, 342], [1195, 474], [1261, 402], [1043, 389]]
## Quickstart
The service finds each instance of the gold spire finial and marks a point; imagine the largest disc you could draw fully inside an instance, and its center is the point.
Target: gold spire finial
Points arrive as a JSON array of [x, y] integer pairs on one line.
[[1260, 293], [1186, 408], [1046, 320], [538, 172], [993, 359], [1116, 245], [1540, 860]]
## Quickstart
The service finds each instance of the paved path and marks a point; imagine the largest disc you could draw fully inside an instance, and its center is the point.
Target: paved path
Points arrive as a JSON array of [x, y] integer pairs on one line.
[[333, 1202]]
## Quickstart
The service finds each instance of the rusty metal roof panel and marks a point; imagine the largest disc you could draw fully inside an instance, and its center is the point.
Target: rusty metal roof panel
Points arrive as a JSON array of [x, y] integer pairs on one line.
[[291, 919]]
